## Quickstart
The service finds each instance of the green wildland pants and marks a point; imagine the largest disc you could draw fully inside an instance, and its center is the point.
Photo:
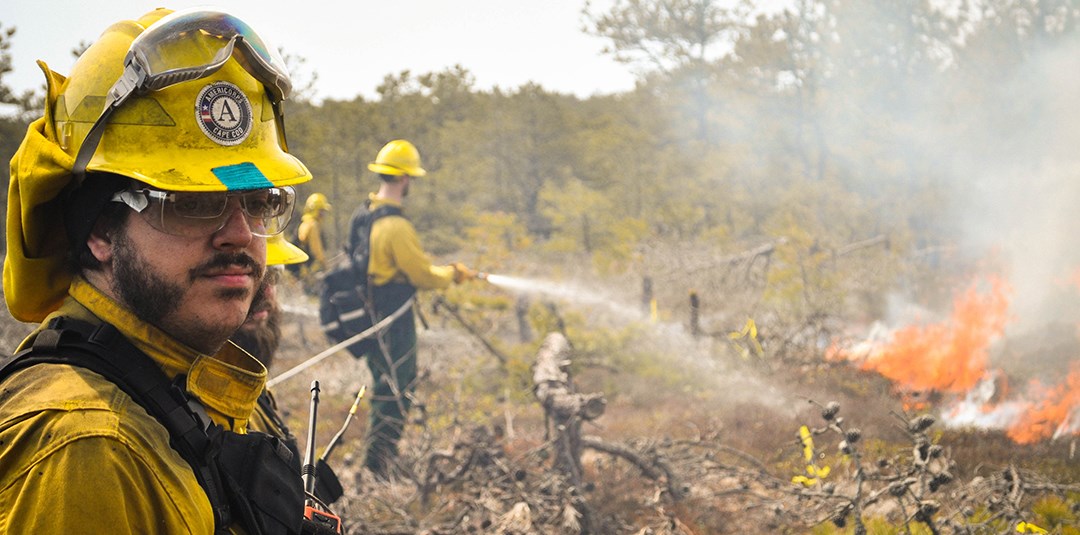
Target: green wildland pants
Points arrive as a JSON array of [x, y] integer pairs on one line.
[[393, 373]]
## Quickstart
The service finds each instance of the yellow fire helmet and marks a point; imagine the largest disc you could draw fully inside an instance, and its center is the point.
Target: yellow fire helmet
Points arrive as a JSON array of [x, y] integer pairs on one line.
[[316, 202], [191, 103], [183, 101], [397, 158], [280, 252]]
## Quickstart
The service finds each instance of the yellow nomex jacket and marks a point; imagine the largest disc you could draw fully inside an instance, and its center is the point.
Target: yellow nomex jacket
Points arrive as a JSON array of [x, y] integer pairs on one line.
[[78, 455], [310, 235], [397, 256]]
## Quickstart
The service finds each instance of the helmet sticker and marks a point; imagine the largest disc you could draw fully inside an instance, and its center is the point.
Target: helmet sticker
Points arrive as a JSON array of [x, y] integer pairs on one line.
[[224, 113]]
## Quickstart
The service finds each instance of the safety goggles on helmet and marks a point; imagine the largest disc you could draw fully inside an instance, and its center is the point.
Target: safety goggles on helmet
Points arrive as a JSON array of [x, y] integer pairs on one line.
[[199, 214], [188, 45]]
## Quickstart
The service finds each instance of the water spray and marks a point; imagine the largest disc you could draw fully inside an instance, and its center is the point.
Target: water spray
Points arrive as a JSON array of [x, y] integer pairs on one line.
[[569, 292]]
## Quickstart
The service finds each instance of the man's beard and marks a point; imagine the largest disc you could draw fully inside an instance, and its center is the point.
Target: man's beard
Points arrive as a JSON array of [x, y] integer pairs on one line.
[[261, 339], [151, 297]]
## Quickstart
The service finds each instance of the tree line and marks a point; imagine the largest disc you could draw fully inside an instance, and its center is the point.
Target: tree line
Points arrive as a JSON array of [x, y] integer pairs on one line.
[[832, 120]]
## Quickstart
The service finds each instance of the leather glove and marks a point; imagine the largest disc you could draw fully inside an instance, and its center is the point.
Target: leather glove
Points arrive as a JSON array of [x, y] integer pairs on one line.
[[462, 273]]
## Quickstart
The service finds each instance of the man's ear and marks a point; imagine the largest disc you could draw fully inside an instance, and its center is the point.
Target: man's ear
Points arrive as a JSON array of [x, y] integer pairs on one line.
[[100, 242]]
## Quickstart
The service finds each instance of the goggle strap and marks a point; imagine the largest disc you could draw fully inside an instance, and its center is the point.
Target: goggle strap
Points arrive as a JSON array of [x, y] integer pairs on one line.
[[130, 80], [279, 116], [132, 77], [89, 145]]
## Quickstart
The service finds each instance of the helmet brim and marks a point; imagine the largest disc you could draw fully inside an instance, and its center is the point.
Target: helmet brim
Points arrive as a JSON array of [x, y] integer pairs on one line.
[[395, 171], [280, 252]]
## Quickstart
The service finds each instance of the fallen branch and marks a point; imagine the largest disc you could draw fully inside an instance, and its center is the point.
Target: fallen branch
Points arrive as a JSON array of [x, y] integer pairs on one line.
[[746, 257], [553, 388], [565, 410], [654, 468], [852, 247], [440, 302]]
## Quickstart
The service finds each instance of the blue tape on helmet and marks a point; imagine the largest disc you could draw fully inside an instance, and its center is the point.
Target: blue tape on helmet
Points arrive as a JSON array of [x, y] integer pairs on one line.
[[242, 176]]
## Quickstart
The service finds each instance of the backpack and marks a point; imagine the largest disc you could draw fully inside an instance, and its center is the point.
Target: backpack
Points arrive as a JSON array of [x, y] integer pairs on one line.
[[345, 300], [252, 478]]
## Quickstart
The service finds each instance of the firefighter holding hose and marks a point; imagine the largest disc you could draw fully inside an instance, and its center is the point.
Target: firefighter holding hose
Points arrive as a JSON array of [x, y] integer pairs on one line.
[[138, 214], [384, 240]]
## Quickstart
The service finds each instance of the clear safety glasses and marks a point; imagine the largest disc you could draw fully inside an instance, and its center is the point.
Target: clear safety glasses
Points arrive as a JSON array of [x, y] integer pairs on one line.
[[200, 214], [188, 45]]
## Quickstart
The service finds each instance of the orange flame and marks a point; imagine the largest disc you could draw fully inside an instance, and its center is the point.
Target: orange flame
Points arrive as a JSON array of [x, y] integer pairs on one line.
[[952, 357], [949, 356], [1050, 415]]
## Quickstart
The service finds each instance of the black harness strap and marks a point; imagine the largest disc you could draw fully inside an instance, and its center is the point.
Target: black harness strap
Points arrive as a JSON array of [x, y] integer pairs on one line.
[[250, 479], [358, 245], [103, 350]]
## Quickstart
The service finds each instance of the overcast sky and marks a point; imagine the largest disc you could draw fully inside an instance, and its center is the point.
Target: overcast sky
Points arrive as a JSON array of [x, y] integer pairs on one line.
[[353, 44]]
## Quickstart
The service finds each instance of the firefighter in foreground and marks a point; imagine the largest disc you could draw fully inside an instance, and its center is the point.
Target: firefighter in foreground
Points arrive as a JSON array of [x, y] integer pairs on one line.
[[397, 267], [138, 214]]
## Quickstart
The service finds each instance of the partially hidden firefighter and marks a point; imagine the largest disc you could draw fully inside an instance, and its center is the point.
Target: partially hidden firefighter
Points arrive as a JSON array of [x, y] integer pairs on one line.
[[138, 214], [311, 238], [260, 335], [310, 233]]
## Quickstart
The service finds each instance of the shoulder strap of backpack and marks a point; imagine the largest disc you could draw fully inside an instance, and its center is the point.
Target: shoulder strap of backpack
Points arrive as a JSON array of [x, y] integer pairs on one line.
[[102, 349], [369, 220], [384, 211]]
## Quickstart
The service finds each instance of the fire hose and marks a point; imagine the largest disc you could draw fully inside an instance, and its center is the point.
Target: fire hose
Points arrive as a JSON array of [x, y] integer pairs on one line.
[[368, 333], [440, 302]]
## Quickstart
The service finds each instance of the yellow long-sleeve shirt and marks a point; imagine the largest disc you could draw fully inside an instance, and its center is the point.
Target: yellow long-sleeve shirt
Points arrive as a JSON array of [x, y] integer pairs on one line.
[[309, 233], [397, 256], [80, 456]]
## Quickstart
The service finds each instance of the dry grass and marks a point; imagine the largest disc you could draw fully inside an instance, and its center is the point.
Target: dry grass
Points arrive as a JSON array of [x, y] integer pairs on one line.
[[477, 456], [728, 427]]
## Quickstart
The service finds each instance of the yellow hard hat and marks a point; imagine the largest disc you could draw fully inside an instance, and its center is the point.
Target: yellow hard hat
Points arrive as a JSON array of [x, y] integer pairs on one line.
[[122, 109], [279, 251], [397, 158], [135, 105], [316, 202]]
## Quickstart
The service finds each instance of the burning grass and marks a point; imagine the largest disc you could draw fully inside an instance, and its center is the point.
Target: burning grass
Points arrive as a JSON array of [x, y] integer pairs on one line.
[[946, 365]]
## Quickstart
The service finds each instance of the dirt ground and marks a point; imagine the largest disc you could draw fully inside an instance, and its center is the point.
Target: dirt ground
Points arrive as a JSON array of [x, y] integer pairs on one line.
[[724, 430]]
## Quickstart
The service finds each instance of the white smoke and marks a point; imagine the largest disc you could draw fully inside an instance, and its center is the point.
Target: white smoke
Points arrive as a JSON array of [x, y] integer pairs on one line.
[[976, 408], [1014, 184]]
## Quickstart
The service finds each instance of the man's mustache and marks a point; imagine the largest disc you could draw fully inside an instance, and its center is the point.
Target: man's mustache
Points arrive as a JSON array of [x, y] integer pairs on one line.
[[224, 261]]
